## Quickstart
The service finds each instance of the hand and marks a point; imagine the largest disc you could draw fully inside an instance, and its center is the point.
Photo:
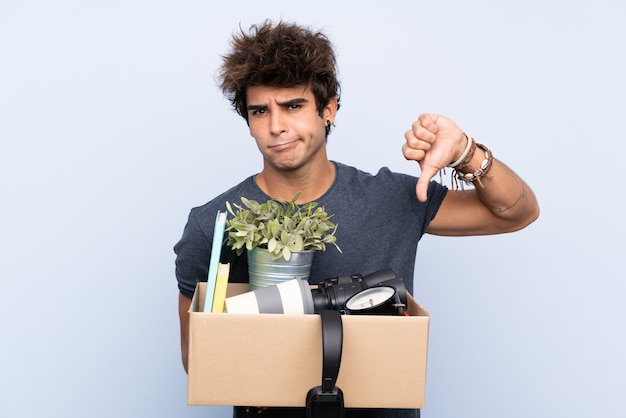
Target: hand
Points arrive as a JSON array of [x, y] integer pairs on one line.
[[433, 141]]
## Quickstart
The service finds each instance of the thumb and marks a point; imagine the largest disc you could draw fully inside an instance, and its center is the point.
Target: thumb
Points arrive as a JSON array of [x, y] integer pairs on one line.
[[421, 189]]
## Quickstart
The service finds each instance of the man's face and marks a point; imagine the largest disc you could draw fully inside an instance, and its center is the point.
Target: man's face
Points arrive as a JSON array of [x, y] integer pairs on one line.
[[287, 126]]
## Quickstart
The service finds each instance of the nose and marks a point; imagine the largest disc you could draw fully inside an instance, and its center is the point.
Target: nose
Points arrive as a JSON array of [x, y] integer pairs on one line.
[[278, 123]]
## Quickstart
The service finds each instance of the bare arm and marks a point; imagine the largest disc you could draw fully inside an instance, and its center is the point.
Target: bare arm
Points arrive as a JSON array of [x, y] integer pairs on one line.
[[183, 313], [505, 204], [502, 203]]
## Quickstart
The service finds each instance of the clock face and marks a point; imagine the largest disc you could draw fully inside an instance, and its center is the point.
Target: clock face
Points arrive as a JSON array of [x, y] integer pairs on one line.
[[370, 298]]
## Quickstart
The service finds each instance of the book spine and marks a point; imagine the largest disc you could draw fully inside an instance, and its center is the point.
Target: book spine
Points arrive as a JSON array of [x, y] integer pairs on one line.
[[216, 250], [221, 287]]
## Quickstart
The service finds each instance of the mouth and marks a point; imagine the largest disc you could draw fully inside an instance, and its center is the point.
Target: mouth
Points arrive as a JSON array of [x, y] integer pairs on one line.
[[282, 146]]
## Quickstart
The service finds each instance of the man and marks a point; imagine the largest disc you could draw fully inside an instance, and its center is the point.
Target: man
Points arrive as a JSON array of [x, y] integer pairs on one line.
[[281, 78]]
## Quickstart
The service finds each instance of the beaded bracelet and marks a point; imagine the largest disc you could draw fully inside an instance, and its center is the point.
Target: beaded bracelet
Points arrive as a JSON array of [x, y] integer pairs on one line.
[[474, 174]]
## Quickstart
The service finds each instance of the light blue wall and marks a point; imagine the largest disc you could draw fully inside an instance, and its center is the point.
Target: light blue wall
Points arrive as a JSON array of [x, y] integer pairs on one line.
[[112, 128]]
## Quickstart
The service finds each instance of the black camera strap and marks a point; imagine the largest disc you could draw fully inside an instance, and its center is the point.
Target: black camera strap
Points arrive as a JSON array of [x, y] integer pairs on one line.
[[326, 401]]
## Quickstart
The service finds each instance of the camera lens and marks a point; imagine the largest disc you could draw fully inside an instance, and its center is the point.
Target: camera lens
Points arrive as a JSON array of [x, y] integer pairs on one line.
[[295, 296], [334, 292]]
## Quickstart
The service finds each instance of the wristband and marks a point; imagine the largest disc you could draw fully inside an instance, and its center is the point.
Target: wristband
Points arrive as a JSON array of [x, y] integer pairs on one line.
[[463, 156], [475, 174]]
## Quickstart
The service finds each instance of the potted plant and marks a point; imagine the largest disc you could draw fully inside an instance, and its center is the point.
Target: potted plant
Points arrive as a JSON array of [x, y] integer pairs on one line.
[[280, 233]]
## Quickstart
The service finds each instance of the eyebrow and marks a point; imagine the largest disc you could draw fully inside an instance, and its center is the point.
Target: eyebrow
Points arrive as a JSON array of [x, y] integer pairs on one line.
[[287, 103]]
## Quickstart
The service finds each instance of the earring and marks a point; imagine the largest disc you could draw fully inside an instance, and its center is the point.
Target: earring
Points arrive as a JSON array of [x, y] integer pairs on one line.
[[328, 124]]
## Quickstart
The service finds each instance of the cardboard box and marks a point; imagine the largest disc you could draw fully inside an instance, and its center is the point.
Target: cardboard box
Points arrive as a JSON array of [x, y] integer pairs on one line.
[[273, 359]]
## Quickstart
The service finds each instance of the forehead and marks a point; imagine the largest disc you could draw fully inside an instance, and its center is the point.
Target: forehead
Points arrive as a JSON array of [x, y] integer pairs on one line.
[[268, 95]]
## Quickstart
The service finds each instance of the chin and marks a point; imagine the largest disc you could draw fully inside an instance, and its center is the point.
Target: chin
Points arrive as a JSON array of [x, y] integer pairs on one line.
[[287, 165]]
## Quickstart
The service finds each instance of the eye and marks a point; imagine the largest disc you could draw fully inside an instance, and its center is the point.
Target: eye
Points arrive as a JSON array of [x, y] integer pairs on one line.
[[258, 112]]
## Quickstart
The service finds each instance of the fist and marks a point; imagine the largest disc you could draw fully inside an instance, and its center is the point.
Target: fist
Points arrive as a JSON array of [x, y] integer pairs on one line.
[[434, 141]]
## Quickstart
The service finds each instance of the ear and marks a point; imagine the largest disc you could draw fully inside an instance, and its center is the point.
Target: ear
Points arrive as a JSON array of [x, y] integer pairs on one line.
[[330, 110]]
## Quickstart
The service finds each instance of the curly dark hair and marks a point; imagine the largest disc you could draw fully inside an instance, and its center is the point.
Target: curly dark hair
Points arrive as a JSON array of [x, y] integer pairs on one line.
[[280, 55]]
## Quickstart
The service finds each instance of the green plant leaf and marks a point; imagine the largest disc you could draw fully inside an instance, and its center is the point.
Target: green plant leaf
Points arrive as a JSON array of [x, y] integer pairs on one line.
[[283, 225]]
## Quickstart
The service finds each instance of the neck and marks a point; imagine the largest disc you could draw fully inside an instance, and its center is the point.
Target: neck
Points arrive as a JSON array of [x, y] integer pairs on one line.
[[311, 183]]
